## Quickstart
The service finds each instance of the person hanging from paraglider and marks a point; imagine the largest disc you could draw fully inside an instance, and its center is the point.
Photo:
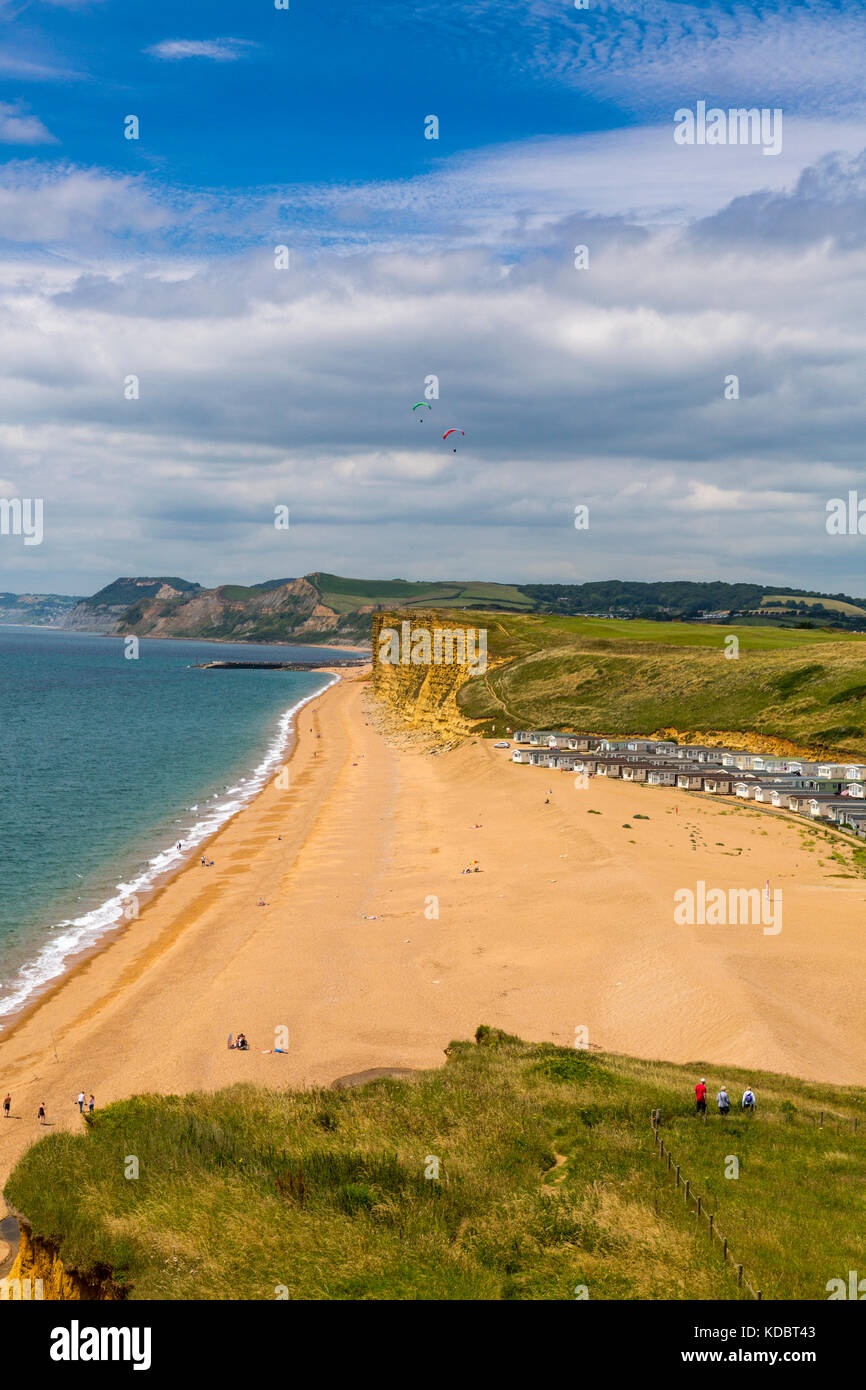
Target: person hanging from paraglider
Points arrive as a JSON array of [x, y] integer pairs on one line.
[[447, 432], [419, 405]]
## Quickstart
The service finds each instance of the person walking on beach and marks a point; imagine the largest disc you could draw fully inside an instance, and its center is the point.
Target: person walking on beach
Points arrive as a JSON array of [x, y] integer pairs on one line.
[[40, 1113], [7, 1105], [91, 1103], [701, 1097], [81, 1099], [723, 1101], [748, 1103]]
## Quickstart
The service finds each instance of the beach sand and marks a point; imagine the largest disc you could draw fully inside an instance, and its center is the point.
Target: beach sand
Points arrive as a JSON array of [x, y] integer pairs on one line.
[[570, 924]]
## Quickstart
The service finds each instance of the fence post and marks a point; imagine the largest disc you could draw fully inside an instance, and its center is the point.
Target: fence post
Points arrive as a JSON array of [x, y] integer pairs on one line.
[[688, 1196], [760, 1296]]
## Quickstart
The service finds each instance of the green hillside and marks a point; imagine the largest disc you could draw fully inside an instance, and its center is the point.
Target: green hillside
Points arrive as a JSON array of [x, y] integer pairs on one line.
[[669, 600], [38, 610], [780, 603], [547, 1182], [129, 591], [330, 608], [346, 595], [804, 686]]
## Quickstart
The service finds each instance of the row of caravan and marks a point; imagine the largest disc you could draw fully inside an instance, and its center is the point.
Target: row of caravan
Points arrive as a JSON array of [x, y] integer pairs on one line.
[[820, 790]]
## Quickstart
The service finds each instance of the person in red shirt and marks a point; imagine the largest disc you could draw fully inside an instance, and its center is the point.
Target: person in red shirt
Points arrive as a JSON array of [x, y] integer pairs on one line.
[[701, 1097]]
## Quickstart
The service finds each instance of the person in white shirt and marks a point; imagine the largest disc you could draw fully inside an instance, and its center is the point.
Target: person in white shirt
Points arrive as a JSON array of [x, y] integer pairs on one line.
[[748, 1102]]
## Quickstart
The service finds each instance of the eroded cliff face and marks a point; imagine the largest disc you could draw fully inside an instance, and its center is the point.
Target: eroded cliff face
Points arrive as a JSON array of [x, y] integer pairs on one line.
[[293, 608], [292, 611], [38, 1271], [422, 695], [749, 743]]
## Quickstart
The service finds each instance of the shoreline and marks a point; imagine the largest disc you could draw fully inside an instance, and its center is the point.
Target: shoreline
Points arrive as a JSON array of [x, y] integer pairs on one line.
[[218, 641], [317, 919], [99, 977], [112, 930]]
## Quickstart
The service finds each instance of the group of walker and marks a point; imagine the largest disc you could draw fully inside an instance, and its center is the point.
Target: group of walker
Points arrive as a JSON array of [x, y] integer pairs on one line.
[[748, 1104], [80, 1100]]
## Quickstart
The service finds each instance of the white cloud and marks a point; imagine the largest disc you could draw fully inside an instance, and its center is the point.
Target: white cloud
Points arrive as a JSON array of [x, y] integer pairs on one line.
[[220, 50], [805, 54], [262, 387], [75, 205], [513, 199], [21, 67], [17, 128]]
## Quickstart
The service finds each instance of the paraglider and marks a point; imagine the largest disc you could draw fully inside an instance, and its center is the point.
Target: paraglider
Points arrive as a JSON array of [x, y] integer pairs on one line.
[[418, 407], [447, 432]]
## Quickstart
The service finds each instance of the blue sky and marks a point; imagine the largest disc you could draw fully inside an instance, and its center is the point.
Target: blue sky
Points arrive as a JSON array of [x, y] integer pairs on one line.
[[410, 257], [315, 93]]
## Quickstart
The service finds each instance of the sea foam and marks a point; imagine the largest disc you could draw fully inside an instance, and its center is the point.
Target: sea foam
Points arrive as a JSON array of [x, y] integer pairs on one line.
[[74, 935]]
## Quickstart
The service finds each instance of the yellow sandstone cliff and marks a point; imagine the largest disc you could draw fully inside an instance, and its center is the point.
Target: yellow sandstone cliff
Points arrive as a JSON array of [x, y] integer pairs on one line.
[[423, 695], [38, 1259]]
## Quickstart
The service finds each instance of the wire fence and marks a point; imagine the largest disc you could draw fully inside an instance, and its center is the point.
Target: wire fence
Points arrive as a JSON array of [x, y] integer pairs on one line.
[[695, 1205], [840, 1124]]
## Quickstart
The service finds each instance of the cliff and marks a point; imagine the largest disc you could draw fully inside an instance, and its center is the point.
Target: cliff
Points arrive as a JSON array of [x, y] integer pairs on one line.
[[748, 742], [547, 1179], [316, 608], [36, 610], [105, 611], [421, 696], [38, 1258], [286, 610]]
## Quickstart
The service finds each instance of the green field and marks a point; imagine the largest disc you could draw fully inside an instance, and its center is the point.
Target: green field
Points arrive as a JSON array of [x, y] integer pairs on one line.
[[347, 595], [777, 602], [547, 1181], [534, 631], [238, 593], [807, 687]]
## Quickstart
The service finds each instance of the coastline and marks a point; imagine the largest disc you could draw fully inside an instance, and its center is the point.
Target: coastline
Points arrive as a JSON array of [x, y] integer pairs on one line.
[[216, 641], [98, 975], [155, 876], [569, 924]]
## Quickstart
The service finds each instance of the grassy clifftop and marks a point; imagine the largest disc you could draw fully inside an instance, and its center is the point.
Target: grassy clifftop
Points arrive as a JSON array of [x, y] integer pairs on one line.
[[805, 689], [546, 1181]]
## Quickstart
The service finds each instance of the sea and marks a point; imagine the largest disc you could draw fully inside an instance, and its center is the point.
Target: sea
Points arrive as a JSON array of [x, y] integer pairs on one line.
[[106, 763]]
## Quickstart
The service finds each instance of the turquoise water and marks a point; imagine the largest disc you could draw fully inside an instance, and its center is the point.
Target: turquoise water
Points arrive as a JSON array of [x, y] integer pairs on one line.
[[105, 763]]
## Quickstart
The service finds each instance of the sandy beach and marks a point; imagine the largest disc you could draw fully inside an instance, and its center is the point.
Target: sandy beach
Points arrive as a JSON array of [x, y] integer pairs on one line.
[[569, 924]]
